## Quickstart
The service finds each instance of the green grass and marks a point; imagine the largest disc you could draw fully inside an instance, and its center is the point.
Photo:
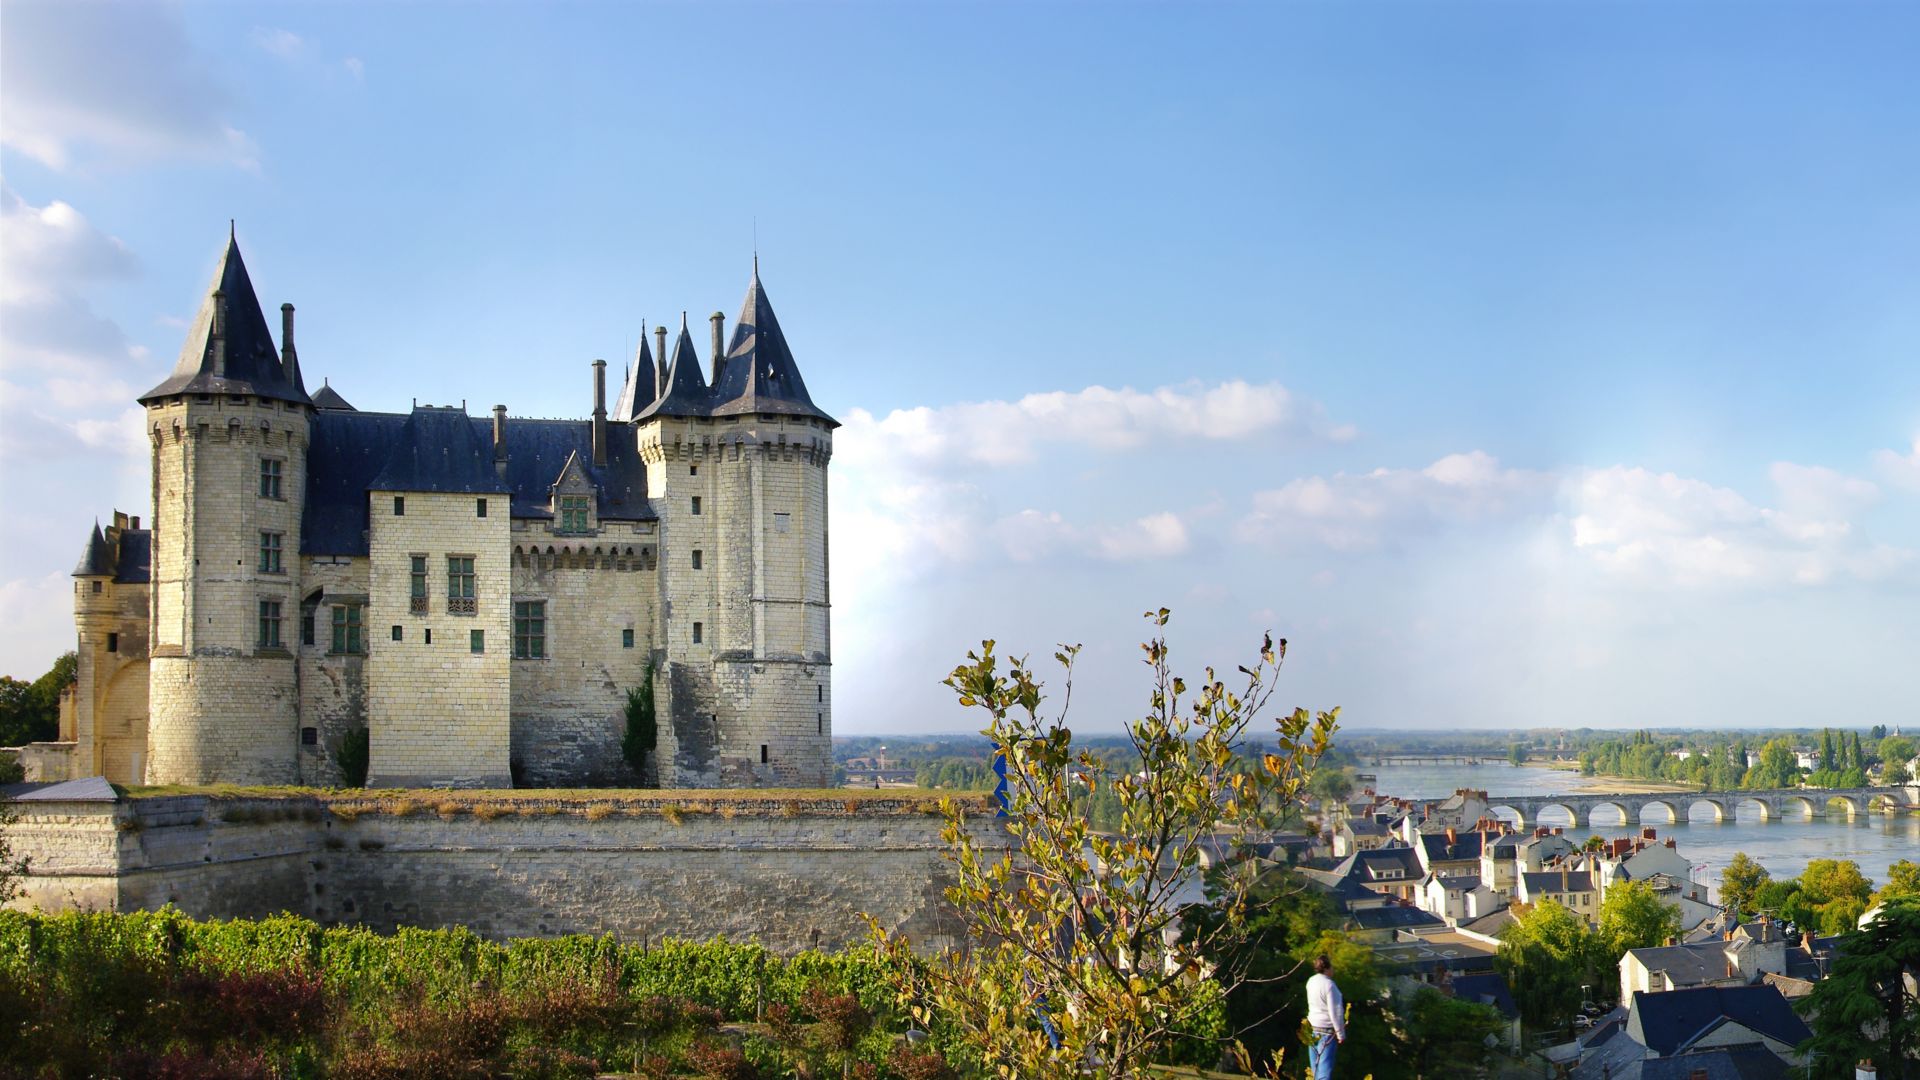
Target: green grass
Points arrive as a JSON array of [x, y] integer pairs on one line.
[[621, 796]]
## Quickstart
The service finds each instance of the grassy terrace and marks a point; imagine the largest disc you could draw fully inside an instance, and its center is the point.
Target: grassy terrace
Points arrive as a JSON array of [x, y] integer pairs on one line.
[[593, 802]]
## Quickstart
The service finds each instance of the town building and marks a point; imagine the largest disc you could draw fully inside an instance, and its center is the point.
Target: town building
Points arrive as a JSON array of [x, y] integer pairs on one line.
[[478, 598]]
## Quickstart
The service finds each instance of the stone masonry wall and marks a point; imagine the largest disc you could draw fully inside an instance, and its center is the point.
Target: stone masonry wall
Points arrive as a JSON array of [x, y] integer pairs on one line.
[[333, 686], [791, 876], [438, 709]]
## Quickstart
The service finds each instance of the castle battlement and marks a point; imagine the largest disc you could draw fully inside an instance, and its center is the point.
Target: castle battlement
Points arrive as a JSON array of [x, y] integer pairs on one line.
[[475, 597]]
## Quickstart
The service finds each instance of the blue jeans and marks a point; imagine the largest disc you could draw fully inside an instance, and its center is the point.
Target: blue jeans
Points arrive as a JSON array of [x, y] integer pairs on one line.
[[1320, 1055]]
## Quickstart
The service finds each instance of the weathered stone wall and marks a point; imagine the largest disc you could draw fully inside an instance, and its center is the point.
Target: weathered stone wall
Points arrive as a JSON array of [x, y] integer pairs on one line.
[[569, 706], [437, 704], [790, 875]]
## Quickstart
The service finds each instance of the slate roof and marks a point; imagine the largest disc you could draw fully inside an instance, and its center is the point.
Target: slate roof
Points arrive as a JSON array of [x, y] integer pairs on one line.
[[757, 375], [1369, 864], [1463, 846], [1550, 881], [1394, 917], [640, 385], [1492, 923], [328, 398], [135, 565], [1747, 1062], [1488, 989], [1687, 965], [252, 364], [1669, 1021], [1465, 882], [89, 789], [350, 450], [97, 560], [1366, 826], [438, 450]]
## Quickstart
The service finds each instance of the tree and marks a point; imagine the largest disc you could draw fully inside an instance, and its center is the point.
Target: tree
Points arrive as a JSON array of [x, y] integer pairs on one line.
[[30, 711], [1517, 754], [1634, 917], [1739, 882], [1776, 768], [1074, 960], [1836, 892], [1826, 749], [1903, 879], [1895, 752], [1547, 955], [1444, 1035], [1866, 1008], [642, 733], [1331, 784], [1859, 759]]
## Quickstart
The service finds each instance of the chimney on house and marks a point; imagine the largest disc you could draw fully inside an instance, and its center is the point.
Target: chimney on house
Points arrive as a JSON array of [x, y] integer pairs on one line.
[[1451, 839], [289, 360], [600, 413], [1646, 834], [719, 322], [219, 333], [500, 439], [660, 356]]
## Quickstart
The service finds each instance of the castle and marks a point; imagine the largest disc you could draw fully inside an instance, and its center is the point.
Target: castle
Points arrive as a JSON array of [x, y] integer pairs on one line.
[[479, 595]]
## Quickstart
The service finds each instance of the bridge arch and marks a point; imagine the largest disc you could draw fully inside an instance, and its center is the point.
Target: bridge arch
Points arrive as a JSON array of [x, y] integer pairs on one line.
[[1881, 802], [1574, 819], [1853, 805], [1676, 810], [1515, 813], [1721, 811]]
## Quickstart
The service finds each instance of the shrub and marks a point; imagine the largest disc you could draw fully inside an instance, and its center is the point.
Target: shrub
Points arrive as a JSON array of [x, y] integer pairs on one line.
[[354, 754]]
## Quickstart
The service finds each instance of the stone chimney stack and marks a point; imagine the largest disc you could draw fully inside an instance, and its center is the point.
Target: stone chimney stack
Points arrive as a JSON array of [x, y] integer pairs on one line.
[[599, 413], [500, 439], [719, 321], [219, 334], [289, 360], [660, 359]]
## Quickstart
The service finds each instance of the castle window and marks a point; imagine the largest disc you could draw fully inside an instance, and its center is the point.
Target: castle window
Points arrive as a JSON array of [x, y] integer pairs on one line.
[[427, 636], [269, 624], [693, 470], [460, 595], [113, 642], [781, 521], [763, 753], [696, 558], [819, 723], [530, 629], [270, 478], [96, 586], [306, 626], [697, 628], [309, 736], [347, 636], [398, 632], [696, 505], [417, 586], [626, 638], [477, 641], [820, 693], [479, 508], [399, 506], [270, 547], [573, 514]]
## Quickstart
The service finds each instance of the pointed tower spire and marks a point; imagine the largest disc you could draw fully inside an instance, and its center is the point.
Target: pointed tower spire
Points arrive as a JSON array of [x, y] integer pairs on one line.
[[638, 388], [760, 375], [98, 559], [686, 393], [229, 350]]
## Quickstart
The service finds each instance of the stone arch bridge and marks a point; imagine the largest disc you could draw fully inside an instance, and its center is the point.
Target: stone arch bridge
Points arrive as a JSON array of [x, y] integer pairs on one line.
[[1773, 803]]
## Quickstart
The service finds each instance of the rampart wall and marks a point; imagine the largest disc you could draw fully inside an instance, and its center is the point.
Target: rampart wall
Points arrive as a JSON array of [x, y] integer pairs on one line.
[[791, 874]]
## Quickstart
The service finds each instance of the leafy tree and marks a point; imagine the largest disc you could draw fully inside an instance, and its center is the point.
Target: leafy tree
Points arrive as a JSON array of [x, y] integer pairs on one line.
[[1073, 962], [1517, 754], [1547, 955], [1896, 750], [1903, 879], [1859, 760], [1826, 749], [1776, 768], [30, 711], [1331, 784], [354, 756], [1865, 1007], [1742, 878], [1634, 917], [1444, 1035]]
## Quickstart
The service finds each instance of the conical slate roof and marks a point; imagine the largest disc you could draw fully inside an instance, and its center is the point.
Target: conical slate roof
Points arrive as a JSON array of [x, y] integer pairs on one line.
[[760, 375], [98, 560], [251, 363], [639, 388], [686, 393]]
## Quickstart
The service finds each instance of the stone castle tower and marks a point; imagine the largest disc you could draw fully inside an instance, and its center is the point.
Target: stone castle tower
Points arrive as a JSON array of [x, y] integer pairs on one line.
[[479, 596]]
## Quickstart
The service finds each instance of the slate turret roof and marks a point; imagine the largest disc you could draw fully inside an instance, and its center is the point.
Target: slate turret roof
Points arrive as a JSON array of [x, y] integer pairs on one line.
[[242, 360], [687, 393], [757, 375], [328, 398], [641, 383], [98, 559]]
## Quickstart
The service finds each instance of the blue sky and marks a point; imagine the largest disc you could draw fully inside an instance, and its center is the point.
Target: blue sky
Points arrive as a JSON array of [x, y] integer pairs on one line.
[[1521, 364]]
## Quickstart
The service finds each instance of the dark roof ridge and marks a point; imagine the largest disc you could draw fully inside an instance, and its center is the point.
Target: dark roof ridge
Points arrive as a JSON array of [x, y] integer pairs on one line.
[[241, 357]]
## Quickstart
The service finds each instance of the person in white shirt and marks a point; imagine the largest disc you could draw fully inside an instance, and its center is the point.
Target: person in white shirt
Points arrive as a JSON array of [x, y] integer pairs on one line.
[[1326, 1014]]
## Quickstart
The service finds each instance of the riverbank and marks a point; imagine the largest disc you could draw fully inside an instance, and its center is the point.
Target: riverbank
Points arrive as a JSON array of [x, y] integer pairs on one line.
[[1622, 785]]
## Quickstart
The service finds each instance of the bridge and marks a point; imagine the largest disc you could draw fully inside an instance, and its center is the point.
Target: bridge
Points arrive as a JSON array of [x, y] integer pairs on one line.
[[1426, 759], [1774, 803]]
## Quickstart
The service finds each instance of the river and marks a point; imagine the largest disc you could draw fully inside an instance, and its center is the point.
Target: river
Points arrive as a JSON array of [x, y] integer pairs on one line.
[[1784, 846]]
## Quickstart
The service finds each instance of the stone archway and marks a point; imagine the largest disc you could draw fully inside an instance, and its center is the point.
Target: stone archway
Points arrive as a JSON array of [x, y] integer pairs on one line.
[[1519, 816], [1721, 811], [1676, 812], [1853, 808], [1882, 803]]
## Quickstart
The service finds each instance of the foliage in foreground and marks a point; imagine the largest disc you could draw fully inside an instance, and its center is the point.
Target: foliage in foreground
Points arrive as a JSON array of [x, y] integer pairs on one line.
[[158, 994], [1079, 958], [1866, 1007]]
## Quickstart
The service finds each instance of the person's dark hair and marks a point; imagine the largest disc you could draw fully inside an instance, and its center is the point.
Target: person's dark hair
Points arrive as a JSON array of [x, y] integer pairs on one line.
[[1323, 965]]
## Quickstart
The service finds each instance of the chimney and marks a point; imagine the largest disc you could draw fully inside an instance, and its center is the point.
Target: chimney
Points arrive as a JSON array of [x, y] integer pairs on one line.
[[660, 357], [1451, 839], [219, 334], [719, 321], [1646, 834], [600, 413], [500, 439], [289, 360], [136, 523]]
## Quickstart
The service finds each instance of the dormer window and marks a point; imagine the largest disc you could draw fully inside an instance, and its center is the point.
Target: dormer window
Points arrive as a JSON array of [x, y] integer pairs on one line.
[[573, 514]]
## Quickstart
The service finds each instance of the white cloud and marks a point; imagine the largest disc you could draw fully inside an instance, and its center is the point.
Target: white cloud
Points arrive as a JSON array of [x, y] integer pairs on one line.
[[1660, 529], [1354, 512], [46, 325], [118, 80], [1031, 535], [999, 433], [274, 41], [39, 622], [1900, 470]]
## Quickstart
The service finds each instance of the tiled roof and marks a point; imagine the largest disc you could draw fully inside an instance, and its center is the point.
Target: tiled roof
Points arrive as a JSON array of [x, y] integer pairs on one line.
[[135, 564], [328, 398], [1747, 1062], [1393, 917], [438, 450], [97, 560], [1554, 881], [1697, 964], [248, 363], [1488, 989]]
